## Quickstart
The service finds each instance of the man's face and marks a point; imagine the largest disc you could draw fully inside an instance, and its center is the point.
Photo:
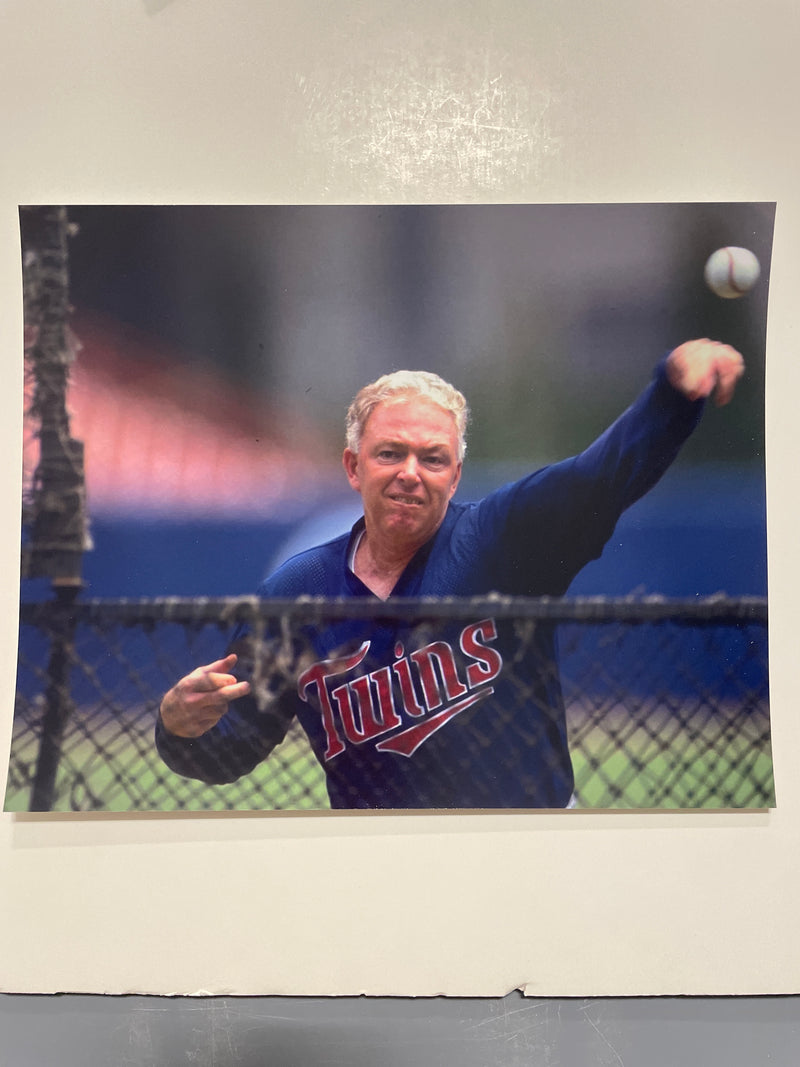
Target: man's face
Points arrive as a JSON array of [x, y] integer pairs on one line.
[[406, 470]]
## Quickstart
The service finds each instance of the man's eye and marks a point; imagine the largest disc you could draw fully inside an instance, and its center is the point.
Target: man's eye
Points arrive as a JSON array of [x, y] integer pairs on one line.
[[434, 461], [387, 454]]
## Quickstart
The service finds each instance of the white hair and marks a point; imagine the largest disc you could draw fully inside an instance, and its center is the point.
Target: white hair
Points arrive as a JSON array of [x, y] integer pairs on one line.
[[400, 385]]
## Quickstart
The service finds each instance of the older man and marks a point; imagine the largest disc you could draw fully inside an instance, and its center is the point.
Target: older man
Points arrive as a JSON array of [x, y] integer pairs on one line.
[[403, 716]]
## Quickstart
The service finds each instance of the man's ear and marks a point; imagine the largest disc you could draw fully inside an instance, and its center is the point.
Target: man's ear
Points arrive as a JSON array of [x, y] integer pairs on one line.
[[457, 480], [350, 464]]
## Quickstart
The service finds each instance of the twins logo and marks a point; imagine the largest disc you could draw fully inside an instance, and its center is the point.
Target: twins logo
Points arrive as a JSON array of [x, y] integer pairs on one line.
[[364, 707]]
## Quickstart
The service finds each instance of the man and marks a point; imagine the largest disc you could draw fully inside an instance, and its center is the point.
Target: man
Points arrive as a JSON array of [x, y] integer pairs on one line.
[[452, 714]]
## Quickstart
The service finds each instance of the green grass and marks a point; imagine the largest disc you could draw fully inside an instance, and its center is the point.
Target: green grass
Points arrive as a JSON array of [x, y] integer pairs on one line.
[[106, 773], [112, 765], [699, 780]]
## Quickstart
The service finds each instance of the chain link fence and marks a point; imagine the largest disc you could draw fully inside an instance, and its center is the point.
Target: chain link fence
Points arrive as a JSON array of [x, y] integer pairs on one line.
[[666, 702]]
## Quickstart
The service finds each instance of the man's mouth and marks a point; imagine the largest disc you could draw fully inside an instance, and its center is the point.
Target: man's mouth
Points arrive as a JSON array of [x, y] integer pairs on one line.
[[402, 498]]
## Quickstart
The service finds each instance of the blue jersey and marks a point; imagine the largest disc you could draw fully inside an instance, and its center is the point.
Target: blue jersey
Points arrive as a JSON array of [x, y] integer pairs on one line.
[[450, 714]]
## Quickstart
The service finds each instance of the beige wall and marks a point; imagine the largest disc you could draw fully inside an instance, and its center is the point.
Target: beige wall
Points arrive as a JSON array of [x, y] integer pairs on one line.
[[256, 102]]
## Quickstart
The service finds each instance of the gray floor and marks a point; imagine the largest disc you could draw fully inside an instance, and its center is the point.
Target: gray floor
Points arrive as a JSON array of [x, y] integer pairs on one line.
[[283, 1032]]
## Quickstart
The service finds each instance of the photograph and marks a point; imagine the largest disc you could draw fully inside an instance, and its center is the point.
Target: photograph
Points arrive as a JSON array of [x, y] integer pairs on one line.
[[389, 508]]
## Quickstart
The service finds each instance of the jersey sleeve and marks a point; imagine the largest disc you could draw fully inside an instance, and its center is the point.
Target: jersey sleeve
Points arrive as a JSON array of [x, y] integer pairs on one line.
[[234, 747], [553, 522]]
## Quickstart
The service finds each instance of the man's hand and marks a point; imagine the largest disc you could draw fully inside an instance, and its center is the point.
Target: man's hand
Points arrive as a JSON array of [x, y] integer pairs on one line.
[[199, 700], [701, 368]]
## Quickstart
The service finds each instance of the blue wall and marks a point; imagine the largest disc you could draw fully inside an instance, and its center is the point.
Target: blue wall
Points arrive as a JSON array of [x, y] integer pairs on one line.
[[700, 532]]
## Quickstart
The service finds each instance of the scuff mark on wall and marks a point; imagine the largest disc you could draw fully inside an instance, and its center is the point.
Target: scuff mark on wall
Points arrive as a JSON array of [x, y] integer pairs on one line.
[[406, 126]]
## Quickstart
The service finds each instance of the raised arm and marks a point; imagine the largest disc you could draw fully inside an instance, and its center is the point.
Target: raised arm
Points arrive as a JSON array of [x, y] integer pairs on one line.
[[560, 517], [630, 457]]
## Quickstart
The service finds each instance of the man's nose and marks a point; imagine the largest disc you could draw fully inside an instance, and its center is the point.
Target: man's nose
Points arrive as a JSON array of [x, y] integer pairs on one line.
[[409, 470]]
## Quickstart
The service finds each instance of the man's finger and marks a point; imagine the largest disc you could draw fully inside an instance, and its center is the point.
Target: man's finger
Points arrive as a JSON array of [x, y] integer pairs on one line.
[[205, 688], [221, 666], [220, 681], [233, 692], [729, 371], [701, 384], [696, 381], [213, 676]]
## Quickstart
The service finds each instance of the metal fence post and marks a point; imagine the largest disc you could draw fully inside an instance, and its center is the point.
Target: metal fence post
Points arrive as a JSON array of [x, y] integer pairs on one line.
[[58, 700], [54, 508]]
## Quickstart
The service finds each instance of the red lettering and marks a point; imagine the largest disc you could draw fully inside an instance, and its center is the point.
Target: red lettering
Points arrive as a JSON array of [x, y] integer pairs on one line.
[[365, 722], [489, 661], [366, 704], [442, 654], [315, 676], [408, 741], [410, 703], [382, 680]]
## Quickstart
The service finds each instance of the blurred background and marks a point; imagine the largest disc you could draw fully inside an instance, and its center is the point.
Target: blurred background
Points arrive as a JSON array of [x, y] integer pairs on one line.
[[218, 348]]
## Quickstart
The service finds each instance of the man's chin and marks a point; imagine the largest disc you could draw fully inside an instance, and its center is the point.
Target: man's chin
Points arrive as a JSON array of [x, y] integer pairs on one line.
[[408, 523]]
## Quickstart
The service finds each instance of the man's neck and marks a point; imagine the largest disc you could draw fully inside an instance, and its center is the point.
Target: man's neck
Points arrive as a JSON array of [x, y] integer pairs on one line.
[[380, 568]]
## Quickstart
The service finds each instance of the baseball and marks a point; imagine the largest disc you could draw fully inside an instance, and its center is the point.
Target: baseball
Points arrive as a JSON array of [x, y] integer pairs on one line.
[[731, 272]]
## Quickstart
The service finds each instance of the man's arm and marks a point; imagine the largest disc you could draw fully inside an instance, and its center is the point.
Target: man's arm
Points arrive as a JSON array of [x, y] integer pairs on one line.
[[211, 727], [214, 725], [626, 461], [560, 517]]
